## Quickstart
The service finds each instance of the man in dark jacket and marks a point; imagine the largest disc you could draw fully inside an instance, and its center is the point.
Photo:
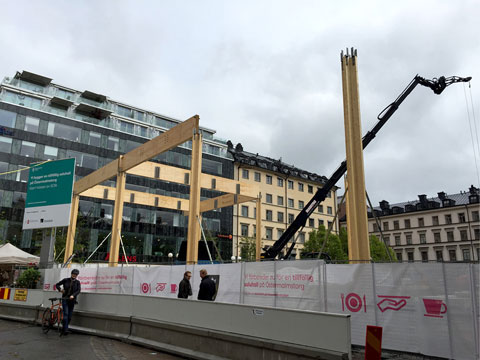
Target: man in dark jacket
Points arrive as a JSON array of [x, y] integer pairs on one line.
[[184, 288], [207, 287], [70, 291]]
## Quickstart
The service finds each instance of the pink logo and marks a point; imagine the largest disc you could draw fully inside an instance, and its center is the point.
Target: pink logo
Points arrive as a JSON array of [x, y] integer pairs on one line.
[[394, 303], [434, 307], [145, 288], [173, 288], [46, 286], [353, 302], [160, 287]]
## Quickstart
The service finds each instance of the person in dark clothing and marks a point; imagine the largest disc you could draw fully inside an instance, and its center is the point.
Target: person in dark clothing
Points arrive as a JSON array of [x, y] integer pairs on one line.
[[207, 287], [184, 288], [70, 291]]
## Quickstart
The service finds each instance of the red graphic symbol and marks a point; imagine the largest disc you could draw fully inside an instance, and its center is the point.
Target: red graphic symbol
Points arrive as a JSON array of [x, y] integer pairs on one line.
[[173, 288], [46, 286], [160, 287], [434, 307], [394, 303], [353, 302], [146, 288]]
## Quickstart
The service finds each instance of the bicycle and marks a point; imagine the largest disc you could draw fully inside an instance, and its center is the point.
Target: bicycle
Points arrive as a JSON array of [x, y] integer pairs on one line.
[[53, 315]]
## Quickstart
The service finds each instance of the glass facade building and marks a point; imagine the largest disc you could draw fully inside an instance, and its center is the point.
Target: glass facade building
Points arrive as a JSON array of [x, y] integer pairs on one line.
[[40, 120]]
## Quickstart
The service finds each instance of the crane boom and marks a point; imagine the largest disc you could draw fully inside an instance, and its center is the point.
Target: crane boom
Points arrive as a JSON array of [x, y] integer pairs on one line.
[[437, 86]]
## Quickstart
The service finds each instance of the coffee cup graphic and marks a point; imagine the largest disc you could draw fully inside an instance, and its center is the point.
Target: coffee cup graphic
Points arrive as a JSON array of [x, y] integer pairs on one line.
[[434, 307]]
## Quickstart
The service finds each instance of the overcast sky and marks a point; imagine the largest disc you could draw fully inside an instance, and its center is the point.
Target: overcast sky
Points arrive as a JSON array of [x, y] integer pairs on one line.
[[267, 74]]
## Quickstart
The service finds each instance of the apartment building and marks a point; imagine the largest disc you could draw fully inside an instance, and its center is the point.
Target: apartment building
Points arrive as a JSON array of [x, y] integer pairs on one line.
[[442, 228], [284, 190], [41, 120]]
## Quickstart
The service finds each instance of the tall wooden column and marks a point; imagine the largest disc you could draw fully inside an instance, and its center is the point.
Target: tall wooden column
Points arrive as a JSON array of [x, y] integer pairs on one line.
[[193, 227], [357, 223], [71, 228], [117, 215], [258, 237]]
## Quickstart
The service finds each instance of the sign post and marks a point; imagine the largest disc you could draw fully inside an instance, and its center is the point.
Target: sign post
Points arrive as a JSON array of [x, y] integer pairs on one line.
[[49, 198]]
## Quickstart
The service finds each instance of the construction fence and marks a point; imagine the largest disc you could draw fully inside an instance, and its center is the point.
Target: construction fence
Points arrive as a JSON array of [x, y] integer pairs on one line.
[[424, 308]]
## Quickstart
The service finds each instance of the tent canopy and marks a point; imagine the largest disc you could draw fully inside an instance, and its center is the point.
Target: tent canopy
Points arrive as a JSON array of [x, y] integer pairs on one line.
[[10, 254]]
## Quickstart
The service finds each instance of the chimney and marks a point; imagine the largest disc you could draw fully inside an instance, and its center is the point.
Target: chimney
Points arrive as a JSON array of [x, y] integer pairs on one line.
[[473, 190], [422, 198], [442, 195], [239, 147], [384, 205]]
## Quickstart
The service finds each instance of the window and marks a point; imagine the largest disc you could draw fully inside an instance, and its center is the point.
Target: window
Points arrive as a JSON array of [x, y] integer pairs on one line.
[[64, 94], [280, 200], [437, 237], [387, 239], [463, 235], [280, 217], [320, 209], [63, 131], [280, 182], [439, 255], [410, 256], [310, 189], [421, 222], [28, 149], [268, 179], [399, 257], [475, 216], [7, 118], [385, 226], [31, 124], [50, 153], [279, 233], [112, 143], [329, 194], [301, 238], [466, 254], [435, 220], [23, 100], [244, 211], [244, 229], [291, 203], [408, 238], [268, 233], [311, 222], [452, 254], [255, 212], [320, 222], [396, 225], [268, 198], [300, 187], [407, 223], [423, 238], [257, 176], [23, 174], [244, 174], [375, 227], [3, 167], [448, 219], [329, 224], [94, 139], [476, 234], [291, 217], [329, 210], [397, 240], [461, 218], [450, 235], [5, 144], [424, 256], [290, 184], [269, 215], [254, 230], [301, 204]]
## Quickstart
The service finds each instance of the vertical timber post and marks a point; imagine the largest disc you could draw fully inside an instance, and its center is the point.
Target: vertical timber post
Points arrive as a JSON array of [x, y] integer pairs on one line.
[[258, 236], [71, 228], [117, 215], [357, 223], [193, 234]]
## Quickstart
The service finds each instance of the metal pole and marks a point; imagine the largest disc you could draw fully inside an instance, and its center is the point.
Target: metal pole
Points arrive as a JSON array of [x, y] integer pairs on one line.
[[204, 239], [379, 227], [97, 247]]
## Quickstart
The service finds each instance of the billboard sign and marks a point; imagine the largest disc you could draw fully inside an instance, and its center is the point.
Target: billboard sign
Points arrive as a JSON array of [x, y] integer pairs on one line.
[[49, 195]]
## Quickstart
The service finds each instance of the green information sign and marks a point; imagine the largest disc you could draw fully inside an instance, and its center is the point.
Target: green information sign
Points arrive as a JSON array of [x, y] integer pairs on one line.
[[49, 194]]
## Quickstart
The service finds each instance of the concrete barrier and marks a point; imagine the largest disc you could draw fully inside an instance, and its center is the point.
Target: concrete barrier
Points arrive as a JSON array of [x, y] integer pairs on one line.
[[200, 329]]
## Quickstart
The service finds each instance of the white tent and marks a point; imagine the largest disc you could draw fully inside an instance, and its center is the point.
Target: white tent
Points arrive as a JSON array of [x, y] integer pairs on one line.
[[10, 254]]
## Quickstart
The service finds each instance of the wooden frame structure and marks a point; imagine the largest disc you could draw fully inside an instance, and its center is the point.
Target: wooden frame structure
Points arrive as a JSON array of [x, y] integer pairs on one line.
[[136, 162]]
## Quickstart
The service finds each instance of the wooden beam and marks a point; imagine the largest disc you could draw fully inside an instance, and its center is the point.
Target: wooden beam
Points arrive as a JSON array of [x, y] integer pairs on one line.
[[117, 217], [96, 177], [193, 234], [166, 141], [71, 229]]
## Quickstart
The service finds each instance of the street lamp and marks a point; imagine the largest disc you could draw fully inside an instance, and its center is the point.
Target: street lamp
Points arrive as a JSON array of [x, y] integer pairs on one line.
[[170, 258], [237, 258]]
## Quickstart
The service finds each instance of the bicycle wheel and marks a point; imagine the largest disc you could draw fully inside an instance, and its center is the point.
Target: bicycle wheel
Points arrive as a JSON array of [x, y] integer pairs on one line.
[[59, 316], [46, 320]]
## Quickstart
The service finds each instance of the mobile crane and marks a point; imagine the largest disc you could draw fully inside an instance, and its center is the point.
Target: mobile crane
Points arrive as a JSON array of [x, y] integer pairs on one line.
[[437, 85]]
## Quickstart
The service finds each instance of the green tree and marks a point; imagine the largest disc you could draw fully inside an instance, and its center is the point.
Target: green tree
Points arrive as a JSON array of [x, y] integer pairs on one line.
[[378, 251], [248, 248], [333, 247]]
